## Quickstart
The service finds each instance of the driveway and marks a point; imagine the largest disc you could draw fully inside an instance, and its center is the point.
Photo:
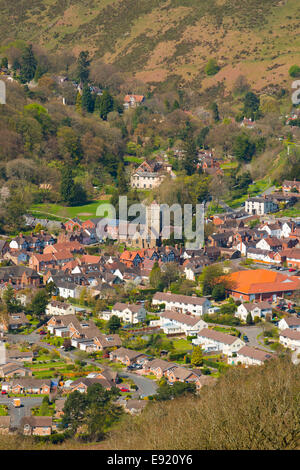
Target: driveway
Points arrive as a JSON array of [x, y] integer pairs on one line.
[[252, 332], [16, 414], [145, 386]]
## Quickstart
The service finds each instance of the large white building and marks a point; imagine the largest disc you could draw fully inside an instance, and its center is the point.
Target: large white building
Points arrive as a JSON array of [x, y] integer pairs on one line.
[[212, 340], [260, 205], [290, 339], [129, 313], [182, 303], [173, 322], [289, 322], [249, 356], [59, 308], [260, 310]]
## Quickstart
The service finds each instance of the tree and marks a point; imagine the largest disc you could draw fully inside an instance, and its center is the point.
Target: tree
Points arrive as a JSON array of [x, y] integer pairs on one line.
[[244, 148], [15, 208], [83, 70], [241, 85], [39, 302], [11, 303], [176, 105], [93, 411], [69, 143], [78, 103], [170, 274], [4, 62], [197, 356], [168, 392], [74, 410], [249, 320], [294, 71], [251, 105], [87, 102], [78, 196], [212, 276], [190, 159], [155, 276], [114, 324], [67, 184], [218, 293], [106, 104], [212, 67], [28, 64], [215, 111], [121, 177], [200, 141]]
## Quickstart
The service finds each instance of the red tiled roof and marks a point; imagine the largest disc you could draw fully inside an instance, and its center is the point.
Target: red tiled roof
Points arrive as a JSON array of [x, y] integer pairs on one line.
[[90, 259], [262, 280], [138, 98]]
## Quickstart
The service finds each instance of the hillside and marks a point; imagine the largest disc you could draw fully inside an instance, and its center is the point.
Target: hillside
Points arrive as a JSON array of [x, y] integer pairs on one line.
[[164, 40], [255, 408]]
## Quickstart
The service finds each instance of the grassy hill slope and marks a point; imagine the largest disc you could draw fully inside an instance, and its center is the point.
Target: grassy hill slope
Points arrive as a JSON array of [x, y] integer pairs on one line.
[[161, 39]]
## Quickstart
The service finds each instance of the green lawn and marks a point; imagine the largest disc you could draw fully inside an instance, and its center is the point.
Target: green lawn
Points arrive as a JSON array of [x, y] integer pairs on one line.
[[132, 159], [59, 212], [182, 345], [290, 212], [229, 166], [49, 364], [3, 410], [253, 190]]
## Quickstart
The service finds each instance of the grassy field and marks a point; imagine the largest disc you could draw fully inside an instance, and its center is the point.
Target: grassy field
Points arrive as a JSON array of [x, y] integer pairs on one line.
[[253, 190], [59, 212]]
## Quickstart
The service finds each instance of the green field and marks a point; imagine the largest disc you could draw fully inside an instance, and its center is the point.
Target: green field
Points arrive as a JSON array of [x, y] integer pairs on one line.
[[59, 212], [253, 190]]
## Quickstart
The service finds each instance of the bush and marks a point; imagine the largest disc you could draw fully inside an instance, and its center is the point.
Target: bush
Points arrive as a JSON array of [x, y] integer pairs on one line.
[[294, 71], [212, 67], [176, 356]]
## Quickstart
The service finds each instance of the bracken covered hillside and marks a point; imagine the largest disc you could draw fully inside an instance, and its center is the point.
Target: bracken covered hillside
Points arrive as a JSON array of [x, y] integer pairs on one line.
[[255, 408], [163, 40]]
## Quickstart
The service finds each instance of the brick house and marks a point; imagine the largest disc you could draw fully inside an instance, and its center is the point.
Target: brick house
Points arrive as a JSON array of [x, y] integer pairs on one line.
[[32, 386], [127, 356], [36, 425]]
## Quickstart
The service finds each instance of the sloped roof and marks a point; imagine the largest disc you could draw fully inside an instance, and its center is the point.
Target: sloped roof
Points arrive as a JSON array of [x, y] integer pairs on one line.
[[262, 280], [217, 336], [255, 353], [185, 299], [180, 317], [291, 334]]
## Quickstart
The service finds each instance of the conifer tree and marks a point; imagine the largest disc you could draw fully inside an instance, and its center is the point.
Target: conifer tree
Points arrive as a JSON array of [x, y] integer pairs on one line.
[[28, 64], [87, 102]]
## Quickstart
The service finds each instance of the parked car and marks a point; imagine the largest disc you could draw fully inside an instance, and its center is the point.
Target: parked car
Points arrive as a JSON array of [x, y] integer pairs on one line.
[[291, 270], [43, 332], [246, 339], [123, 389], [3, 392]]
